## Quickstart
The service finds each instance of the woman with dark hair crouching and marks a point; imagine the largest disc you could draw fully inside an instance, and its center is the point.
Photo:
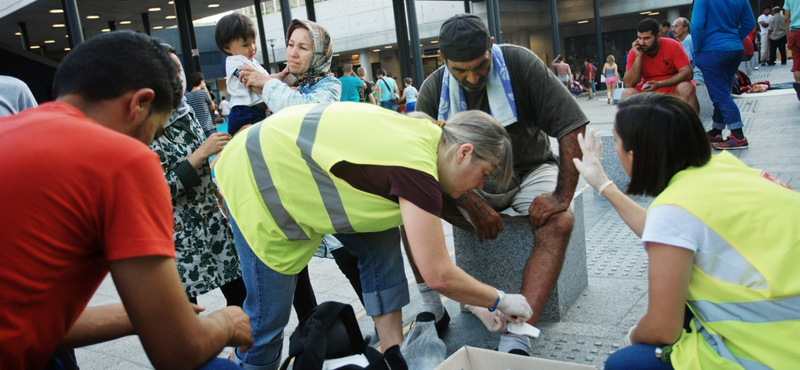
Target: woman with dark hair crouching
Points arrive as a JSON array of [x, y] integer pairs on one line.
[[722, 242]]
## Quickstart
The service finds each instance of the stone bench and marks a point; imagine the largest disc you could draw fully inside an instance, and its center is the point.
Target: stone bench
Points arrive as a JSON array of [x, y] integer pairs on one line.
[[500, 262], [706, 106]]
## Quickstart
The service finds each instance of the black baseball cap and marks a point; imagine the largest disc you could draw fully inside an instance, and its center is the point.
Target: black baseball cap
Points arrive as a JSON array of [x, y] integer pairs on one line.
[[463, 38]]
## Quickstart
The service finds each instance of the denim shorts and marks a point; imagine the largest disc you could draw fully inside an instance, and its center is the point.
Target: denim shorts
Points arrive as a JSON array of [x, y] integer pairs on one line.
[[515, 202], [380, 262]]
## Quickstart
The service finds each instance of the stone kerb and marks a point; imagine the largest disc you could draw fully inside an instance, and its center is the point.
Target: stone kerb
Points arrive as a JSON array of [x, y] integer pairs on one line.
[[611, 164], [500, 262], [706, 106]]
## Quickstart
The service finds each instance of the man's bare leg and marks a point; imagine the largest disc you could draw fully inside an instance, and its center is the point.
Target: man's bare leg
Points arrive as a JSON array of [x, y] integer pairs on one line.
[[544, 264], [687, 91], [390, 329]]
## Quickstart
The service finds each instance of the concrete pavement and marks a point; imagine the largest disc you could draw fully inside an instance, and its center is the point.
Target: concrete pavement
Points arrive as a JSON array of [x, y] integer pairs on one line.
[[617, 265]]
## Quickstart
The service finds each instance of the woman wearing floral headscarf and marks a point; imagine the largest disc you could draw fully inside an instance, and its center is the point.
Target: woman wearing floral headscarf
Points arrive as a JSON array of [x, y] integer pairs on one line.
[[307, 78]]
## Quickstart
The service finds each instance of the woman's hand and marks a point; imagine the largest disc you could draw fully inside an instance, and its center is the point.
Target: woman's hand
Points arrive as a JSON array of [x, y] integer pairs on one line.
[[214, 144], [252, 79], [211, 146], [494, 321], [591, 168], [516, 307]]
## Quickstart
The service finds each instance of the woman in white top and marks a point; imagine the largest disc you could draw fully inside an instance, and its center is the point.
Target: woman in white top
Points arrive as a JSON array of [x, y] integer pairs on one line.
[[722, 244], [612, 76]]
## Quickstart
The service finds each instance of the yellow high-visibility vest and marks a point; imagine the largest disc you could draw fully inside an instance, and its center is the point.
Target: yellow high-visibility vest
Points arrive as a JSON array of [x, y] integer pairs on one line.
[[752, 325], [276, 178]]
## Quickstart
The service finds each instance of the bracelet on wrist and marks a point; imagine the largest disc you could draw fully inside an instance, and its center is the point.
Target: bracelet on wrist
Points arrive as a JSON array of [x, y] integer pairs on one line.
[[500, 295]]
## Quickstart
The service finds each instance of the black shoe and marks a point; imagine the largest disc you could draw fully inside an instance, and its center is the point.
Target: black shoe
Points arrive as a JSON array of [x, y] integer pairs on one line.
[[441, 325], [519, 352], [796, 87]]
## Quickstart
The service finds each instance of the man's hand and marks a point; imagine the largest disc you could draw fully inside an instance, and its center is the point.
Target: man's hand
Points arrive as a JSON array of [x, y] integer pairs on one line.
[[636, 46], [237, 323], [651, 86], [545, 206], [486, 220]]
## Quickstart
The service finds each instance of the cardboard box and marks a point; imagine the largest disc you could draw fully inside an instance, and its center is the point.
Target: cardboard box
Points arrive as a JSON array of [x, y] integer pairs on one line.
[[471, 358]]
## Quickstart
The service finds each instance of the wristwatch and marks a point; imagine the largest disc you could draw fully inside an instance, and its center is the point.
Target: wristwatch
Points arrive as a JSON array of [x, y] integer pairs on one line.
[[663, 353]]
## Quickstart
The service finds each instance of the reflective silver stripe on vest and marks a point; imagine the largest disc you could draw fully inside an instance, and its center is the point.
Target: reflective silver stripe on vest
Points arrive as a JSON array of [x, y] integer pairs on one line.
[[269, 194], [330, 196], [715, 342], [752, 312]]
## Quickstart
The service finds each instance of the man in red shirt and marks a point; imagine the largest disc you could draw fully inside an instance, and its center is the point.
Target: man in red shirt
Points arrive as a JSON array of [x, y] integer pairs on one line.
[[85, 196], [657, 64]]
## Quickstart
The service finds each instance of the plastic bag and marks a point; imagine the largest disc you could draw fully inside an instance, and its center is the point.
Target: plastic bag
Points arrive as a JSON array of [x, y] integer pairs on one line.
[[422, 348]]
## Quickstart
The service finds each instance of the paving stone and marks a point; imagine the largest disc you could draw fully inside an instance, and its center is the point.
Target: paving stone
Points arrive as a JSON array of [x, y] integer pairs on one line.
[[500, 262]]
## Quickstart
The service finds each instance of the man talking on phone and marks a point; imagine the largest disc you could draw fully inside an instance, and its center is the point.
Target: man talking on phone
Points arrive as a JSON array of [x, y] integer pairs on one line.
[[657, 64]]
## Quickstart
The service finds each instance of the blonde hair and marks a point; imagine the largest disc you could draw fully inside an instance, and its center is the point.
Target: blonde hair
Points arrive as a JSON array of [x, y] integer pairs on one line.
[[488, 137], [611, 59]]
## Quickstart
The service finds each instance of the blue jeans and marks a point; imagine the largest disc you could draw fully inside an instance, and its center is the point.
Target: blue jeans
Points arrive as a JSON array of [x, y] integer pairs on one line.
[[636, 357], [718, 69], [389, 104], [219, 364], [268, 303]]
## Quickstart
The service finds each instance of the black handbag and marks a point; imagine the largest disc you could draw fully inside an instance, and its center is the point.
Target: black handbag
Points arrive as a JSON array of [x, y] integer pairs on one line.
[[331, 331]]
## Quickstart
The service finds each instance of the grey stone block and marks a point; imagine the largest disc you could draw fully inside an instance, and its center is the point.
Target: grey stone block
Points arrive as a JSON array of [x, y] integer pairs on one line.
[[611, 164], [706, 106], [500, 262]]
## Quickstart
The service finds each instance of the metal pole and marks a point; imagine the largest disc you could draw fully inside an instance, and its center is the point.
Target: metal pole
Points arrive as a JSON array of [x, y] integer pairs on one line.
[[184, 30], [554, 23], [493, 11], [73, 22], [466, 7], [112, 26], [416, 51], [23, 35], [401, 31], [310, 13], [190, 23], [286, 14], [598, 29], [263, 37], [277, 68], [146, 23]]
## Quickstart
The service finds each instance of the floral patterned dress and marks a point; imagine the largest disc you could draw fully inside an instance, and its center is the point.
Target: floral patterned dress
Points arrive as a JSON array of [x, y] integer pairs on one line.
[[204, 247]]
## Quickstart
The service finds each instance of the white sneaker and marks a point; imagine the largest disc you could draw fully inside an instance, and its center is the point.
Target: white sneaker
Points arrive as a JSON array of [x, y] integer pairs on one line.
[[515, 343]]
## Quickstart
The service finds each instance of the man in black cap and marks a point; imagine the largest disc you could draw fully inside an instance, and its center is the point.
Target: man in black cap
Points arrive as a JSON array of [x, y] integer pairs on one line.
[[516, 88]]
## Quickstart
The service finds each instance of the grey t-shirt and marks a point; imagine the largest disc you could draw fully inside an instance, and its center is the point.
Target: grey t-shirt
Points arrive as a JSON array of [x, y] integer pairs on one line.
[[777, 26], [544, 106], [15, 96]]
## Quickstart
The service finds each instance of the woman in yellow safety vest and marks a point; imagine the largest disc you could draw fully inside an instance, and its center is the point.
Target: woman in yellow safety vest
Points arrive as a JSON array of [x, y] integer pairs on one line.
[[721, 238], [349, 168]]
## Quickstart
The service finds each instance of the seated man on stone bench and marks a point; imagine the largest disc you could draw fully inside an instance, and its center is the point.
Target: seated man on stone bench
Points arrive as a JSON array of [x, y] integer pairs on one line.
[[517, 88]]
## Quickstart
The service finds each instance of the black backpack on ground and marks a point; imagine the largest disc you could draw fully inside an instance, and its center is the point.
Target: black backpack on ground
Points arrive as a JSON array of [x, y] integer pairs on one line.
[[740, 81], [331, 331]]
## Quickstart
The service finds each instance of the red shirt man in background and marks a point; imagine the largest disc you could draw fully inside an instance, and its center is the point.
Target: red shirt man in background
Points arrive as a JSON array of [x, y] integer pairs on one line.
[[657, 64]]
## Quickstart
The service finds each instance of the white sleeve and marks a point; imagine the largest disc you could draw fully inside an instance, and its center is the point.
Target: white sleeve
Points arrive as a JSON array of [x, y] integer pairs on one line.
[[235, 87], [673, 225], [279, 95]]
